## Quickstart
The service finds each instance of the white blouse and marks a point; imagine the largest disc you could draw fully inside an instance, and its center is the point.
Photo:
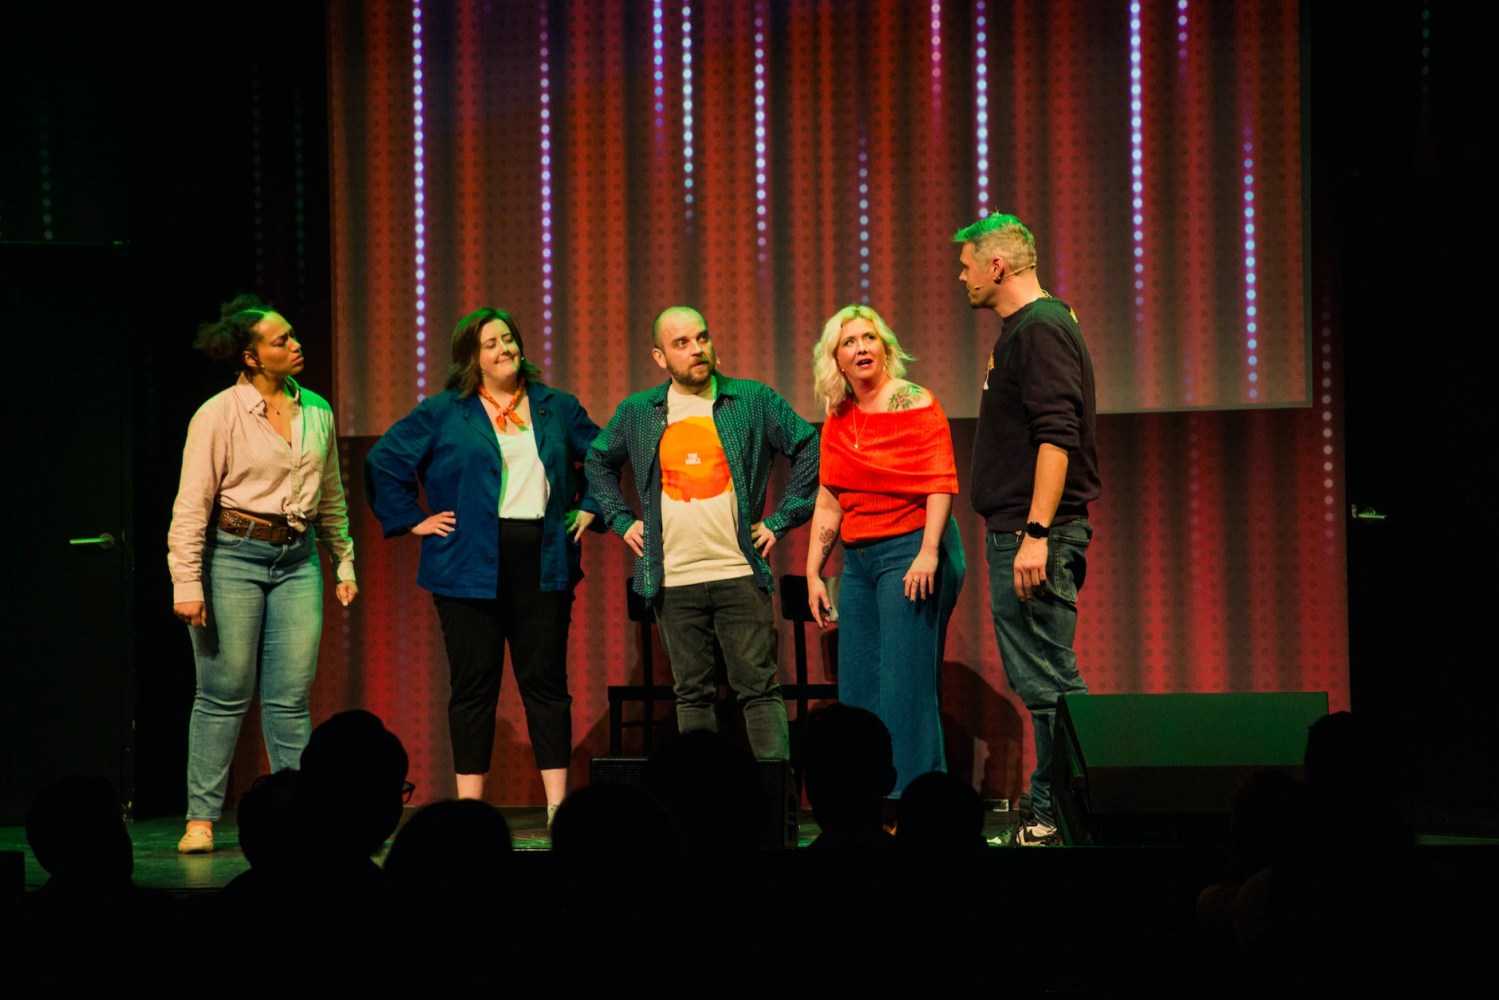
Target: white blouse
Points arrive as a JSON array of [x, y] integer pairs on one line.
[[523, 480]]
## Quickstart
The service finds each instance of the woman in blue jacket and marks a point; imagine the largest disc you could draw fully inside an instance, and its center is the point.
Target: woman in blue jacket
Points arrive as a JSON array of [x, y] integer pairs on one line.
[[497, 456]]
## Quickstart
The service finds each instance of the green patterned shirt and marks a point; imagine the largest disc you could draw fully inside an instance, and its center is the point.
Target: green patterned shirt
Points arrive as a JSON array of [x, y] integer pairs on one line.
[[754, 424]]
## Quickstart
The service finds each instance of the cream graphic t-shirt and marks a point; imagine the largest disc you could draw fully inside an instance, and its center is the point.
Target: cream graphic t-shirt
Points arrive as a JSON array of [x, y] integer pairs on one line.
[[699, 513]]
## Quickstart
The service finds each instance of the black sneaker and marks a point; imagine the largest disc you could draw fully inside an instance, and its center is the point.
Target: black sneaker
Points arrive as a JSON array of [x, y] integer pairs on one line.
[[1037, 833]]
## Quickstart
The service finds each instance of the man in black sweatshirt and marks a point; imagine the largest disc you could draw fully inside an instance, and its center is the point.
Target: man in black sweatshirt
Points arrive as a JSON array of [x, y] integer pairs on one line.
[[1035, 469]]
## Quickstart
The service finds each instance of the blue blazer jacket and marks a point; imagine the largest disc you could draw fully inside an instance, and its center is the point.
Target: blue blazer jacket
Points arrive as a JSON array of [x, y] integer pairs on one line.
[[448, 446]]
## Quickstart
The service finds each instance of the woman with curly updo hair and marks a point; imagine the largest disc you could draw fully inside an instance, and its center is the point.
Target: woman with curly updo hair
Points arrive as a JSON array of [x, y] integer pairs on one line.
[[887, 482], [260, 482]]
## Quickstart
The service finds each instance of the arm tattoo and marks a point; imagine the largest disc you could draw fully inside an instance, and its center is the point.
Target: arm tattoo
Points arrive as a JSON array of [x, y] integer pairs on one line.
[[827, 536], [906, 397]]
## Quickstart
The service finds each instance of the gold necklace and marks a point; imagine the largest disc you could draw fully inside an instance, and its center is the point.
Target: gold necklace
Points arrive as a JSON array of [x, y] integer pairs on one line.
[[858, 429]]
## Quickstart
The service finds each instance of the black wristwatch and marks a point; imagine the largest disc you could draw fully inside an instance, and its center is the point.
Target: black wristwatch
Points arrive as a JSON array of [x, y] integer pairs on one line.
[[1036, 529]]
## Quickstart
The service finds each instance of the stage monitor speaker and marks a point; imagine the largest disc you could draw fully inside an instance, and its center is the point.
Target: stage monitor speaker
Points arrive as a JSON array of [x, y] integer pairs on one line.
[[1163, 768], [777, 785]]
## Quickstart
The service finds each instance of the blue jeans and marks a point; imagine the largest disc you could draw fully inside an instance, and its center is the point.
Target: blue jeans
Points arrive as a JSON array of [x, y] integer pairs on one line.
[[265, 615], [1035, 638], [890, 648], [739, 614]]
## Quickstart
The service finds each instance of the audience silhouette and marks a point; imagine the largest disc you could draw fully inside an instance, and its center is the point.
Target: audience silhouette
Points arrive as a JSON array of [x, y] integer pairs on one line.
[[849, 769], [663, 890], [90, 920], [314, 906], [451, 874]]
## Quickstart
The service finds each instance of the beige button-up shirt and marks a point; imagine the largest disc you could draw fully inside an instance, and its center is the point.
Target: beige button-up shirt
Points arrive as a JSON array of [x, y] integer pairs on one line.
[[234, 459]]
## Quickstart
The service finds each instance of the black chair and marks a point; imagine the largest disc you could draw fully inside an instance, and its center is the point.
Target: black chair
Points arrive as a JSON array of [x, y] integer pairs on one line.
[[793, 588], [648, 693]]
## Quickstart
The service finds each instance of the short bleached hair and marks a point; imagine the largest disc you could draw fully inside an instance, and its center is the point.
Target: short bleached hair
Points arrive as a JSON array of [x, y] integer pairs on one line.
[[828, 382], [1002, 236]]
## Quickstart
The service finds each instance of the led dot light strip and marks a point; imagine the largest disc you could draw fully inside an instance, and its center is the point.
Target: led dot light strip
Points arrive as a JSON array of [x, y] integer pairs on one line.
[[547, 311], [762, 190], [1425, 52], [981, 101], [1137, 167], [419, 200], [863, 217], [687, 115], [1251, 311], [936, 49], [658, 61], [1330, 512]]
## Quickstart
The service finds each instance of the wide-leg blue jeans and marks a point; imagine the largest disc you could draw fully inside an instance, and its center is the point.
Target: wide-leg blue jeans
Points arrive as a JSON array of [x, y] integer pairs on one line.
[[1035, 637], [890, 648], [265, 617]]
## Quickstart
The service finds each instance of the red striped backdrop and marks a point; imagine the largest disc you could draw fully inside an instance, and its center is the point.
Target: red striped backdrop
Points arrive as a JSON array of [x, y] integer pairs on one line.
[[1219, 558]]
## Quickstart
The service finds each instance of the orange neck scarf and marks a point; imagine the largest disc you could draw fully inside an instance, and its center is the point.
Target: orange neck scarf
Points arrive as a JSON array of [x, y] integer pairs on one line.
[[507, 412]]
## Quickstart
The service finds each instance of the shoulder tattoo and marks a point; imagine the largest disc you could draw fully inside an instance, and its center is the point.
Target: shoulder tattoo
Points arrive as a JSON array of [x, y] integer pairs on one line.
[[906, 397]]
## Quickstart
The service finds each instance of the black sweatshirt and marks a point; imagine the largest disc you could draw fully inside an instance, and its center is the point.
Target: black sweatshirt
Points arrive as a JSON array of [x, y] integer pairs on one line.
[[1039, 390]]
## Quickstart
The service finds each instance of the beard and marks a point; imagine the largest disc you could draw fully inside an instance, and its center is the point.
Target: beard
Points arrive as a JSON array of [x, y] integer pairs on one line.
[[694, 377]]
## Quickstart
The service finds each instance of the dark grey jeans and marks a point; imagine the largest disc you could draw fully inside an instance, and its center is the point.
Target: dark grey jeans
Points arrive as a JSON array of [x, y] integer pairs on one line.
[[1035, 638], [739, 614]]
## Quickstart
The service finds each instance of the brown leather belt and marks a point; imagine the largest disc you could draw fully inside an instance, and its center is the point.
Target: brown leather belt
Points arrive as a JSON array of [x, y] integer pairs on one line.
[[273, 530]]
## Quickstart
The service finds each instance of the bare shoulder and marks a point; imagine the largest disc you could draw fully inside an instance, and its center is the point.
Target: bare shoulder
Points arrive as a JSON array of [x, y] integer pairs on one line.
[[908, 396]]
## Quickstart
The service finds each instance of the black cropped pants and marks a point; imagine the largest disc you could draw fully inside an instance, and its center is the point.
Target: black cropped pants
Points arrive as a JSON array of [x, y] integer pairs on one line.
[[535, 623]]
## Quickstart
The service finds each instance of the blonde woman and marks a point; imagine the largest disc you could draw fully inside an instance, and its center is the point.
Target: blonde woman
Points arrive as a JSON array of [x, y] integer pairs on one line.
[[887, 483]]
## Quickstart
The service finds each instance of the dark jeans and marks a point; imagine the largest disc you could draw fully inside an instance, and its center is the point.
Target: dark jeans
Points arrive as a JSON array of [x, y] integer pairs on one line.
[[535, 623], [740, 615], [1035, 637]]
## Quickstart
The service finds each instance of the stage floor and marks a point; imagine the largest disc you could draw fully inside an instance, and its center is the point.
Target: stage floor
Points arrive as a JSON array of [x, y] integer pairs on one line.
[[159, 866]]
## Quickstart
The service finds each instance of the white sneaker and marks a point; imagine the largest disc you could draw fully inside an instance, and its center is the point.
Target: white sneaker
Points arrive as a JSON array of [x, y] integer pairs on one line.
[[1037, 833]]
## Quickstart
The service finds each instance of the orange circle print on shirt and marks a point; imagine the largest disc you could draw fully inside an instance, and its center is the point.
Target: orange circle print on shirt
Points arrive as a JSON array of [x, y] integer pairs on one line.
[[693, 466]]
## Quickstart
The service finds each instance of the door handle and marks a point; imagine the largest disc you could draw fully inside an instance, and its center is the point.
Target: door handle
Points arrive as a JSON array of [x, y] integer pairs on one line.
[[104, 541]]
